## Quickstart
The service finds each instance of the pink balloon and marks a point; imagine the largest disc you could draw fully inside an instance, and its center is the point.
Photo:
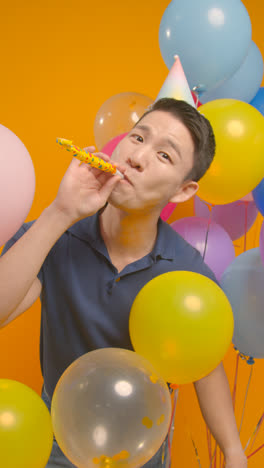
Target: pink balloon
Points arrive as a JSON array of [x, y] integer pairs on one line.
[[236, 218], [17, 184], [167, 211], [111, 144], [109, 148], [210, 239], [261, 243]]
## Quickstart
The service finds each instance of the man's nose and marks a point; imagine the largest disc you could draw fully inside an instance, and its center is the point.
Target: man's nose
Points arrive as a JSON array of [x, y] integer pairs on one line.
[[138, 159]]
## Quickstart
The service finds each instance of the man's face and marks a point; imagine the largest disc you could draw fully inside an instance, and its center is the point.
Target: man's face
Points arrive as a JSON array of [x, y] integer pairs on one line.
[[157, 154]]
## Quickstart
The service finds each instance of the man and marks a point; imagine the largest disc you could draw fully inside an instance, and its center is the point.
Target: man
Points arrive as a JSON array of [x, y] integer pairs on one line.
[[101, 240]]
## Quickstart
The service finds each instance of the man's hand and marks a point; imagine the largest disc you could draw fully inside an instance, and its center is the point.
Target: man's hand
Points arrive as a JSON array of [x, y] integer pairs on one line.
[[217, 408], [236, 460], [84, 189]]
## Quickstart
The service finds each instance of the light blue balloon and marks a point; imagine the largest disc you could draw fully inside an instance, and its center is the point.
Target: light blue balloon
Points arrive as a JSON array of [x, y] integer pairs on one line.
[[211, 37], [245, 82], [243, 284]]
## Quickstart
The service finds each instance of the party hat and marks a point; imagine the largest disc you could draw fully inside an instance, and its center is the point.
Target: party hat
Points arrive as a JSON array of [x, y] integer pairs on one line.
[[176, 85]]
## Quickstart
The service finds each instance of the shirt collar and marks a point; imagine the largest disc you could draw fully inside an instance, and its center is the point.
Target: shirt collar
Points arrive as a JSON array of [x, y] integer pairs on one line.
[[166, 243], [86, 229], [166, 246]]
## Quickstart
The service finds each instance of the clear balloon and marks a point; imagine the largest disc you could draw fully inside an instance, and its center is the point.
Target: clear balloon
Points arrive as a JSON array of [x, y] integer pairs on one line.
[[243, 282], [206, 236], [239, 131], [25, 427], [182, 322], [202, 34], [244, 83], [236, 218], [110, 408], [118, 115], [17, 184]]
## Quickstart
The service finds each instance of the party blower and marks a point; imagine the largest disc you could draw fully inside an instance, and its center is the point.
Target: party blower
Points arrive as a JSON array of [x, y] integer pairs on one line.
[[88, 158]]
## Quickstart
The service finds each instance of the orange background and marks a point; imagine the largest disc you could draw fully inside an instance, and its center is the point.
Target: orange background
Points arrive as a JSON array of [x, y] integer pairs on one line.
[[60, 61]]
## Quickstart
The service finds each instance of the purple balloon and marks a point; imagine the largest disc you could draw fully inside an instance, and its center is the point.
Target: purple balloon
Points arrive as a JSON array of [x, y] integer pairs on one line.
[[261, 242], [236, 218], [210, 239]]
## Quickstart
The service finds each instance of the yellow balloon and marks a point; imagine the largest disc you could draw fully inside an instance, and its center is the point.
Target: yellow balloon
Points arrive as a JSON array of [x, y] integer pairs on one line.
[[118, 115], [25, 427], [182, 322], [238, 166]]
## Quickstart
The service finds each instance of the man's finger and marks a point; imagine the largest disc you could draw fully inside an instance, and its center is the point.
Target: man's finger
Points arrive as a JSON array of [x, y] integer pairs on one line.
[[109, 186], [89, 149]]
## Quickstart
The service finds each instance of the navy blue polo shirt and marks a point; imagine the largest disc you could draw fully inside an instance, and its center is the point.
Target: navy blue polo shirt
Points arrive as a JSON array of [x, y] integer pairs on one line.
[[86, 302]]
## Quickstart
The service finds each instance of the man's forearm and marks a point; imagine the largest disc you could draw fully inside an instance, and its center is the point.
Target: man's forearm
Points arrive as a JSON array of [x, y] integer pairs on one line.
[[216, 405], [21, 264]]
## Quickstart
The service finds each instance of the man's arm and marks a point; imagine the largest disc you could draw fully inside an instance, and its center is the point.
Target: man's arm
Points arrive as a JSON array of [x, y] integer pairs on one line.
[[217, 409], [19, 266], [82, 192]]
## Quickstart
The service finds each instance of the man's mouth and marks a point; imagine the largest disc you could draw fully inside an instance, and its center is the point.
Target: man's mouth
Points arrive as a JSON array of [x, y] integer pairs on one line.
[[127, 179]]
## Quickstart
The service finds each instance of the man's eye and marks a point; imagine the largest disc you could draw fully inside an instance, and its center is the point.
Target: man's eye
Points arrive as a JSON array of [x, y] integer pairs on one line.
[[165, 156], [138, 137]]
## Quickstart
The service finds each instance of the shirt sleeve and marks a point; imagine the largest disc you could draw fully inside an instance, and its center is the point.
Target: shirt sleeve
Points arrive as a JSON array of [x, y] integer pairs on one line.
[[24, 228]]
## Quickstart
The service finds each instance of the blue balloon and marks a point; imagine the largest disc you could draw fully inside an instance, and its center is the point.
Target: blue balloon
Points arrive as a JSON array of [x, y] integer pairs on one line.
[[211, 37], [242, 282], [258, 101], [245, 82], [258, 192], [258, 195]]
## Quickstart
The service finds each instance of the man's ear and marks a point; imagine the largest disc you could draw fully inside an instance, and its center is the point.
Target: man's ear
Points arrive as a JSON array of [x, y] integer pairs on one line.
[[185, 192]]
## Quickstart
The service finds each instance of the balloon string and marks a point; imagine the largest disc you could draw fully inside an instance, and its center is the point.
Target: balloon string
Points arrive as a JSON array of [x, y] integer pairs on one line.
[[208, 434], [235, 382], [246, 224], [207, 230], [256, 237], [175, 394], [246, 394], [196, 453], [254, 434], [213, 457], [257, 450]]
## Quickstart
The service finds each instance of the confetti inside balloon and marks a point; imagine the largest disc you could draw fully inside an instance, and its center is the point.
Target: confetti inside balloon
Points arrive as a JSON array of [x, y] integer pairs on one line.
[[112, 409]]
